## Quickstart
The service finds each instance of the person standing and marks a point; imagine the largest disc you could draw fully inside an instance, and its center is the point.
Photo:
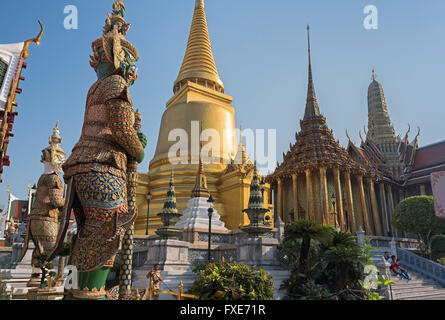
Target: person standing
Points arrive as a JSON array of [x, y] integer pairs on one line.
[[155, 278]]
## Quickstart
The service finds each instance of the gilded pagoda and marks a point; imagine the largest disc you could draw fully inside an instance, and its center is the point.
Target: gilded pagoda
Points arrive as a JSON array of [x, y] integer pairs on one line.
[[199, 102]]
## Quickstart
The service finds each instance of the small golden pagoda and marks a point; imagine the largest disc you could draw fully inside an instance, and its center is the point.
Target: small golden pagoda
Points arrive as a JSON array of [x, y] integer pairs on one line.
[[318, 180], [199, 102]]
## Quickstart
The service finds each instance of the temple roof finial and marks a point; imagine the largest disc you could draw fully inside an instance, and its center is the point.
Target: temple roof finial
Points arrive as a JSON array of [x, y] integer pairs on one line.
[[312, 109], [373, 75]]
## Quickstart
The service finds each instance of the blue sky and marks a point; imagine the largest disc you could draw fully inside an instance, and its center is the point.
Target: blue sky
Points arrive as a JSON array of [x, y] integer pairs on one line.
[[260, 50]]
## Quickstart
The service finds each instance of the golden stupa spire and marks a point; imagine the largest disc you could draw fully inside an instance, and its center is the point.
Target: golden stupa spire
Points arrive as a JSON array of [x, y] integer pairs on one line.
[[198, 65], [312, 109], [200, 190]]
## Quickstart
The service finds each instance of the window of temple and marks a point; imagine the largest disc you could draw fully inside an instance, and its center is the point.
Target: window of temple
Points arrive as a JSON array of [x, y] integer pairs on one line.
[[3, 70]]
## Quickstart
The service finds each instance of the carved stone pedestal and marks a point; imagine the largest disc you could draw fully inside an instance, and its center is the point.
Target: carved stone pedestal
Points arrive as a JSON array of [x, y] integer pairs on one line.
[[171, 255], [42, 294], [259, 251]]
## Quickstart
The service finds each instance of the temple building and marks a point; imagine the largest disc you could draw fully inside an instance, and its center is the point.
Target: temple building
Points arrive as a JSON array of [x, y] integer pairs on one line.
[[319, 180], [12, 62], [405, 168], [199, 103]]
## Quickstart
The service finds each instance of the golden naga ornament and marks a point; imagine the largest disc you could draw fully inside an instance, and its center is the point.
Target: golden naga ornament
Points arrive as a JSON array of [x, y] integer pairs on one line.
[[36, 40]]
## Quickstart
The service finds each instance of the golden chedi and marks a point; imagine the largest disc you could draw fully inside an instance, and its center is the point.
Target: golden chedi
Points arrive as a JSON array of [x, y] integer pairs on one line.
[[199, 103]]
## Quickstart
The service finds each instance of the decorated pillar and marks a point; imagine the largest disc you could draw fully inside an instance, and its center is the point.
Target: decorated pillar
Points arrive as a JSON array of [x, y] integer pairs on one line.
[[391, 206], [284, 211], [374, 207], [324, 196], [367, 226], [350, 202], [295, 190], [384, 209], [275, 204], [422, 190], [280, 200], [309, 198], [339, 196]]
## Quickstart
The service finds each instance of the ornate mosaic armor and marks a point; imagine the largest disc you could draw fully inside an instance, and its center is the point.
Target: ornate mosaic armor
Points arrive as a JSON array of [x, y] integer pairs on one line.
[[108, 135]]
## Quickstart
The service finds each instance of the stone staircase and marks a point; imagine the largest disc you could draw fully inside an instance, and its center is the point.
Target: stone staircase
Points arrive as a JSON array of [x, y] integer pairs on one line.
[[419, 287]]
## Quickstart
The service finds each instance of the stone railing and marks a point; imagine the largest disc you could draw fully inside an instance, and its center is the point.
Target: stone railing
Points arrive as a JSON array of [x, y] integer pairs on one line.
[[424, 266], [385, 242]]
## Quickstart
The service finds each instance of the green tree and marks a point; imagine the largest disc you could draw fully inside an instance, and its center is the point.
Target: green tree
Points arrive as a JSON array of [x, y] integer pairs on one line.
[[343, 261], [306, 230], [438, 247], [416, 215], [337, 267]]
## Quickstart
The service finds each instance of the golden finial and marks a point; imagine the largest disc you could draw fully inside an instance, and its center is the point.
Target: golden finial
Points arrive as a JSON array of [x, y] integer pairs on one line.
[[35, 40], [361, 138], [418, 133], [199, 4], [347, 135], [309, 41], [241, 135]]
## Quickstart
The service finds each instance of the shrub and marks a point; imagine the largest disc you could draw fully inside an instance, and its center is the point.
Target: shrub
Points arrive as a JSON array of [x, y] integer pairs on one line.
[[438, 247], [335, 263], [416, 215], [441, 261], [232, 281]]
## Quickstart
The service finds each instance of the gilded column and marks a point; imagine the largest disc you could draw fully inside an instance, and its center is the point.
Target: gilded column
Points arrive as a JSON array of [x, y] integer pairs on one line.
[[385, 209], [375, 208], [391, 206], [324, 196], [350, 202], [294, 186], [339, 196], [366, 226], [279, 200], [309, 197], [284, 209]]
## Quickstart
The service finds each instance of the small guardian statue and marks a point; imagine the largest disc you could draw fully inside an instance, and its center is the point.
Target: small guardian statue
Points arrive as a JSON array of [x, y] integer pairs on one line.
[[42, 226]]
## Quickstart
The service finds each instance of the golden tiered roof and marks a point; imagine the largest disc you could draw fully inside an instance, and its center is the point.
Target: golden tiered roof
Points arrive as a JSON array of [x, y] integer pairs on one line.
[[199, 65], [315, 144]]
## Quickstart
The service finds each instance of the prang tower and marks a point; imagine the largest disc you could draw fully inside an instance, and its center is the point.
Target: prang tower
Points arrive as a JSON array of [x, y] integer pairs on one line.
[[381, 133]]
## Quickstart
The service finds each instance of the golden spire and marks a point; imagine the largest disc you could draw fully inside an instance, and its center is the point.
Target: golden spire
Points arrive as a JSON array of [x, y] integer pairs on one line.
[[198, 65], [241, 148], [200, 190], [312, 109]]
